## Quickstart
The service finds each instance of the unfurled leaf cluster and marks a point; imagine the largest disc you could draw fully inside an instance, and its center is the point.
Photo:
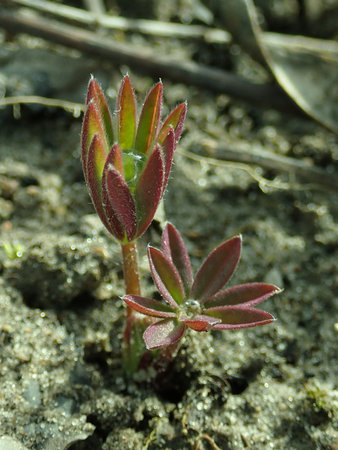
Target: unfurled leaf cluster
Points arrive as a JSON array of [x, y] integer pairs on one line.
[[127, 163], [199, 303]]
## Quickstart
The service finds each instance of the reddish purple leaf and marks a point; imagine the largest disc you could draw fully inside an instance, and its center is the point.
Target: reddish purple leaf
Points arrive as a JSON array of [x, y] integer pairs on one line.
[[149, 306], [115, 158], [239, 317], [96, 159], [163, 333], [149, 120], [245, 294], [95, 167], [116, 194], [167, 149], [126, 115], [91, 125], [200, 322], [217, 269], [96, 95], [91, 91], [148, 190], [173, 247], [176, 120], [166, 277]]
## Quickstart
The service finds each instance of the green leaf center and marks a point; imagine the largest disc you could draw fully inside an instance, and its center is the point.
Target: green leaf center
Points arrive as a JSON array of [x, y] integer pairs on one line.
[[190, 308], [133, 163]]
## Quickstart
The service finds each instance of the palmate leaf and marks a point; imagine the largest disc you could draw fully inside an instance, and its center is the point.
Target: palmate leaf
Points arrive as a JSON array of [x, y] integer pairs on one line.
[[126, 115], [149, 120], [217, 269], [203, 306]]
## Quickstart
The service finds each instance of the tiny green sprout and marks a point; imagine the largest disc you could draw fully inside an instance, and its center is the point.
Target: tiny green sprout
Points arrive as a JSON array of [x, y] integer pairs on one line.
[[317, 396], [13, 249]]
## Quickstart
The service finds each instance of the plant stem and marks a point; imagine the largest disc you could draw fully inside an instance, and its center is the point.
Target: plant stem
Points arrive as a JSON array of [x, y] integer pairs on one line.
[[133, 287], [136, 356], [131, 280], [130, 269]]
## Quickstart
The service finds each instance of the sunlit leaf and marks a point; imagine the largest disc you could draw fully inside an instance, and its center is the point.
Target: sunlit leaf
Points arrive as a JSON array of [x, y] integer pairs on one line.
[[126, 115], [173, 247], [149, 189], [217, 269], [149, 120], [166, 277]]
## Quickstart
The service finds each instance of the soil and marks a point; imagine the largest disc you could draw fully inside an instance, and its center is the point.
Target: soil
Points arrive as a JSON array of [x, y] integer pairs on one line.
[[62, 384]]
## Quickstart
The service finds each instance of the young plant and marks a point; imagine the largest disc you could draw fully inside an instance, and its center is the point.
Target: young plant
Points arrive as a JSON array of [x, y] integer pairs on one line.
[[126, 165], [198, 303]]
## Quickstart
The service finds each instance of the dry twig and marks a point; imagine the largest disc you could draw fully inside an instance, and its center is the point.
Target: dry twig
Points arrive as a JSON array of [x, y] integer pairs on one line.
[[95, 6], [76, 108], [256, 156], [243, 156], [108, 22], [145, 60]]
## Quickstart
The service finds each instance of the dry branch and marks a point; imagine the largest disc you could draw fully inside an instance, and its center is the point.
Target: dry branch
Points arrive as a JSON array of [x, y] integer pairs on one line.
[[95, 6], [181, 71], [256, 156], [77, 108], [145, 60], [244, 154], [104, 21]]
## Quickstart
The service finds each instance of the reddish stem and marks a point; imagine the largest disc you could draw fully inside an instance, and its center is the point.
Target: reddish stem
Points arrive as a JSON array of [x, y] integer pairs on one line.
[[130, 268], [132, 283], [162, 363]]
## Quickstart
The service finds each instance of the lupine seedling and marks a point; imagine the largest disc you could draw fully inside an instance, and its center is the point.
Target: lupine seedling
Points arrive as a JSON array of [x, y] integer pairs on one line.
[[126, 164], [199, 303]]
